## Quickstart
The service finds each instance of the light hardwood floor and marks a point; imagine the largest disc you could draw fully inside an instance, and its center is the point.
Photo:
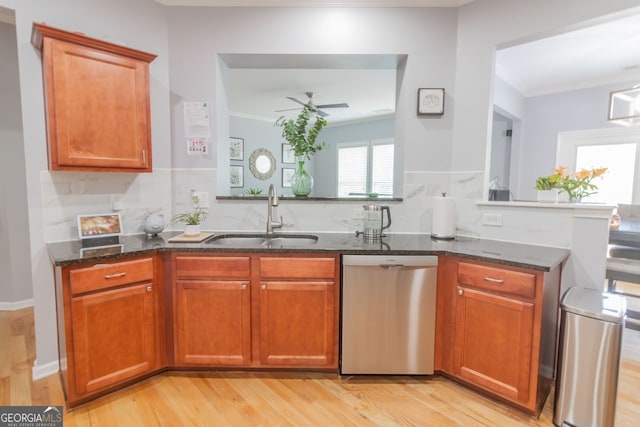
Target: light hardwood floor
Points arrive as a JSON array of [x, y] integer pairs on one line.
[[281, 399]]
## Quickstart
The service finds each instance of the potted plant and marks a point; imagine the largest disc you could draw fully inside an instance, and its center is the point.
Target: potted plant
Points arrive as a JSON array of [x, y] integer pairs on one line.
[[191, 220], [578, 185], [547, 188], [302, 139], [254, 191]]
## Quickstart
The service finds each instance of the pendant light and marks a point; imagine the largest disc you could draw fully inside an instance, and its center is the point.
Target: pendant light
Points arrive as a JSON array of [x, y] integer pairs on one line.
[[624, 106]]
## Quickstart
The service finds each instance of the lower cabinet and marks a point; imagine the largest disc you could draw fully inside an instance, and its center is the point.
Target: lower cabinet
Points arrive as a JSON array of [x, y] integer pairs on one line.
[[256, 311], [497, 329], [298, 312], [109, 325], [212, 304]]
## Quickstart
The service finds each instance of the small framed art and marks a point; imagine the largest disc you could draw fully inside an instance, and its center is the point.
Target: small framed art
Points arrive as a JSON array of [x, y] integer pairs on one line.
[[99, 225], [287, 173], [431, 101], [287, 154], [236, 148], [236, 176]]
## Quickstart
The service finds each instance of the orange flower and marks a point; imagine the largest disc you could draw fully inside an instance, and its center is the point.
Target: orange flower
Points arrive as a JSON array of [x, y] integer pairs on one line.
[[562, 171], [598, 171], [583, 173]]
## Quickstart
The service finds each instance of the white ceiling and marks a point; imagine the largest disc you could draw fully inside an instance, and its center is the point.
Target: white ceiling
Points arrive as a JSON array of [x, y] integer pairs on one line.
[[593, 56], [364, 3]]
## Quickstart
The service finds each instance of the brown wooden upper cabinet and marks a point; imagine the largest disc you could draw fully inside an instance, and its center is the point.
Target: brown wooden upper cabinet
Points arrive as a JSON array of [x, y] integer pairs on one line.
[[97, 103]]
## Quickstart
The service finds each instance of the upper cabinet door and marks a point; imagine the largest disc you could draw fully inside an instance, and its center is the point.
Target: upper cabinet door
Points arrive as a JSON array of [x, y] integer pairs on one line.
[[97, 103]]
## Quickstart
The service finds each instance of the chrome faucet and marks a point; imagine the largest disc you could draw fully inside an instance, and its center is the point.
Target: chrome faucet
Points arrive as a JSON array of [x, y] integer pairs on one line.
[[272, 202]]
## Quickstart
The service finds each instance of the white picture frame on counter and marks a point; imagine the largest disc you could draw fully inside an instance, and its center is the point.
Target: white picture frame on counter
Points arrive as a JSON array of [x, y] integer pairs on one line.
[[95, 226]]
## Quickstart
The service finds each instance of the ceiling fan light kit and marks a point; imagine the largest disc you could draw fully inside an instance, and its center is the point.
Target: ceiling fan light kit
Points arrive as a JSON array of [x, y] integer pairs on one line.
[[624, 106]]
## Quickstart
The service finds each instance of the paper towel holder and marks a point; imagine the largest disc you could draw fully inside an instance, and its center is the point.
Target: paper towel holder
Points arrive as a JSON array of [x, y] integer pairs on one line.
[[448, 236]]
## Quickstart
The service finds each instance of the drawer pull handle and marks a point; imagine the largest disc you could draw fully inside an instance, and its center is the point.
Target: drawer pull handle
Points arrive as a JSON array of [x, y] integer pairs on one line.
[[460, 292], [115, 276], [264, 286], [149, 288], [244, 286], [491, 279]]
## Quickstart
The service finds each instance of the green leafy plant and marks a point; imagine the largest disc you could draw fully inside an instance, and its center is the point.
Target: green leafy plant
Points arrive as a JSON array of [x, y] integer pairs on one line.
[[578, 185], [548, 182], [301, 139], [254, 191], [191, 218]]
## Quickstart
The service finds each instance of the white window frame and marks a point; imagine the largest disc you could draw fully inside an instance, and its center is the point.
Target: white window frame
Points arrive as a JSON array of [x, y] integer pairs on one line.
[[568, 143], [365, 143]]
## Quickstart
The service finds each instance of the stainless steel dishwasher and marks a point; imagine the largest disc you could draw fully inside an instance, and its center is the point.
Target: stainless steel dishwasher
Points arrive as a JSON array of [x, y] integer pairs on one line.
[[388, 314]]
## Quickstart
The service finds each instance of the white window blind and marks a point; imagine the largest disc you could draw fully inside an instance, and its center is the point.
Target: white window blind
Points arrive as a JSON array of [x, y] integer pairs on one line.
[[382, 169], [365, 168], [352, 170]]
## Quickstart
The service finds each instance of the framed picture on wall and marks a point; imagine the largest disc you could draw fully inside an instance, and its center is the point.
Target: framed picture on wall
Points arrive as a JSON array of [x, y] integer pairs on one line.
[[236, 148], [431, 101], [287, 173], [287, 154], [236, 176]]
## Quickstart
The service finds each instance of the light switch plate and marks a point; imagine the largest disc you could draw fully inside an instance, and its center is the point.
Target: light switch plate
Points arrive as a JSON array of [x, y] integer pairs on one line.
[[492, 219]]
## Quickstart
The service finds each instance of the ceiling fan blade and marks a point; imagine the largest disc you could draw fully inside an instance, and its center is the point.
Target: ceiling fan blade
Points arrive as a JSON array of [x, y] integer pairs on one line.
[[296, 100], [321, 113], [342, 105], [288, 109]]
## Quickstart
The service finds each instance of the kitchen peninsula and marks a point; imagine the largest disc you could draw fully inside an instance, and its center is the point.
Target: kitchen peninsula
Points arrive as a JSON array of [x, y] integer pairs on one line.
[[179, 306]]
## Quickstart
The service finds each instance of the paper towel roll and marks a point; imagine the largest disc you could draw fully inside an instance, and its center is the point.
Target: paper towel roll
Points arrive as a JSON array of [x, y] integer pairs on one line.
[[444, 217]]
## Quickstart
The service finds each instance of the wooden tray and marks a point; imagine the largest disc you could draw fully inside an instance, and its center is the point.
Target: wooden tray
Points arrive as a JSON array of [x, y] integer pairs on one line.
[[196, 238]]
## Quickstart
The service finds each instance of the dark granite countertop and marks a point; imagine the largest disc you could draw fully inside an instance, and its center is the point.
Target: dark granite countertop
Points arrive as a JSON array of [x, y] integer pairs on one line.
[[515, 254]]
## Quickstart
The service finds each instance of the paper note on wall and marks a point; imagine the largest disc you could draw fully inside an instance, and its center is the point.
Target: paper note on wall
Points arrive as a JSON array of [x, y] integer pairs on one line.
[[196, 120], [196, 146]]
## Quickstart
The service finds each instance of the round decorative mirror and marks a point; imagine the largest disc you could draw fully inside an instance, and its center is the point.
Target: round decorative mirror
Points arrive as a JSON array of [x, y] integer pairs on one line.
[[262, 163]]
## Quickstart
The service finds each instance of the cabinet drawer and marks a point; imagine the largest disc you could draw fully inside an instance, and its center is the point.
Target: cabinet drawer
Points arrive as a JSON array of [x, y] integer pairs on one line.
[[497, 279], [193, 267], [297, 268], [102, 276]]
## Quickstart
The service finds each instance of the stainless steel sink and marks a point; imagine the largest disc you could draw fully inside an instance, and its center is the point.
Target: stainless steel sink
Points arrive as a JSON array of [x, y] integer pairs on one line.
[[256, 240], [290, 241], [236, 240]]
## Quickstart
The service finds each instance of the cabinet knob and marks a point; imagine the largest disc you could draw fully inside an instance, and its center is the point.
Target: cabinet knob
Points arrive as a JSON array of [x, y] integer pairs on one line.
[[264, 286], [244, 286], [460, 292], [149, 288]]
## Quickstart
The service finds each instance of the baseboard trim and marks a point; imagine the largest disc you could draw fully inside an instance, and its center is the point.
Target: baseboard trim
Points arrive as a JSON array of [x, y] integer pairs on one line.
[[41, 371], [18, 305]]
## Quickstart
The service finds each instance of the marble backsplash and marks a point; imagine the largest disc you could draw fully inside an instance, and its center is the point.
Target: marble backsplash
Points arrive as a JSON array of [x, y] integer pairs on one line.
[[168, 191]]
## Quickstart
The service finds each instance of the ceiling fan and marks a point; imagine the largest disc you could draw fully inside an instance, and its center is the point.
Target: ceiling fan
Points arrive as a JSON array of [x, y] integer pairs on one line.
[[315, 108]]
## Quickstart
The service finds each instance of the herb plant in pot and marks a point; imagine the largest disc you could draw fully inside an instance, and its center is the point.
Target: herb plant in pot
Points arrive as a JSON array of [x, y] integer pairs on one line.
[[192, 220], [547, 188], [302, 139]]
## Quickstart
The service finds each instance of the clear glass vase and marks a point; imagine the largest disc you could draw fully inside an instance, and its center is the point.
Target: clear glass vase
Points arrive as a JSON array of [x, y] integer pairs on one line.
[[301, 181]]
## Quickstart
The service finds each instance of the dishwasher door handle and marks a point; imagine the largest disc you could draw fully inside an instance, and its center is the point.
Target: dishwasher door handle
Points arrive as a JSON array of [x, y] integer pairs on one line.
[[390, 266]]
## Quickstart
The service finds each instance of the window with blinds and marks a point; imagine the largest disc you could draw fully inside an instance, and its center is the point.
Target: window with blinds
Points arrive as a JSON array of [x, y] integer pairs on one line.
[[364, 168]]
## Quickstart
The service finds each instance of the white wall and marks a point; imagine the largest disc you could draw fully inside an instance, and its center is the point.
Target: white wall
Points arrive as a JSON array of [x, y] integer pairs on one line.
[[547, 115], [15, 268], [136, 23]]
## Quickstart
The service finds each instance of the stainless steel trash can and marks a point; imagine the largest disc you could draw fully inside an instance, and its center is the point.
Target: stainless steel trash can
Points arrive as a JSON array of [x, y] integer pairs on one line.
[[591, 325]]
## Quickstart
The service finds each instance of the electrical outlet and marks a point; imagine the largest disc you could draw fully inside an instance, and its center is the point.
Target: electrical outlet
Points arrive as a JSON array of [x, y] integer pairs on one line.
[[493, 219], [203, 199]]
